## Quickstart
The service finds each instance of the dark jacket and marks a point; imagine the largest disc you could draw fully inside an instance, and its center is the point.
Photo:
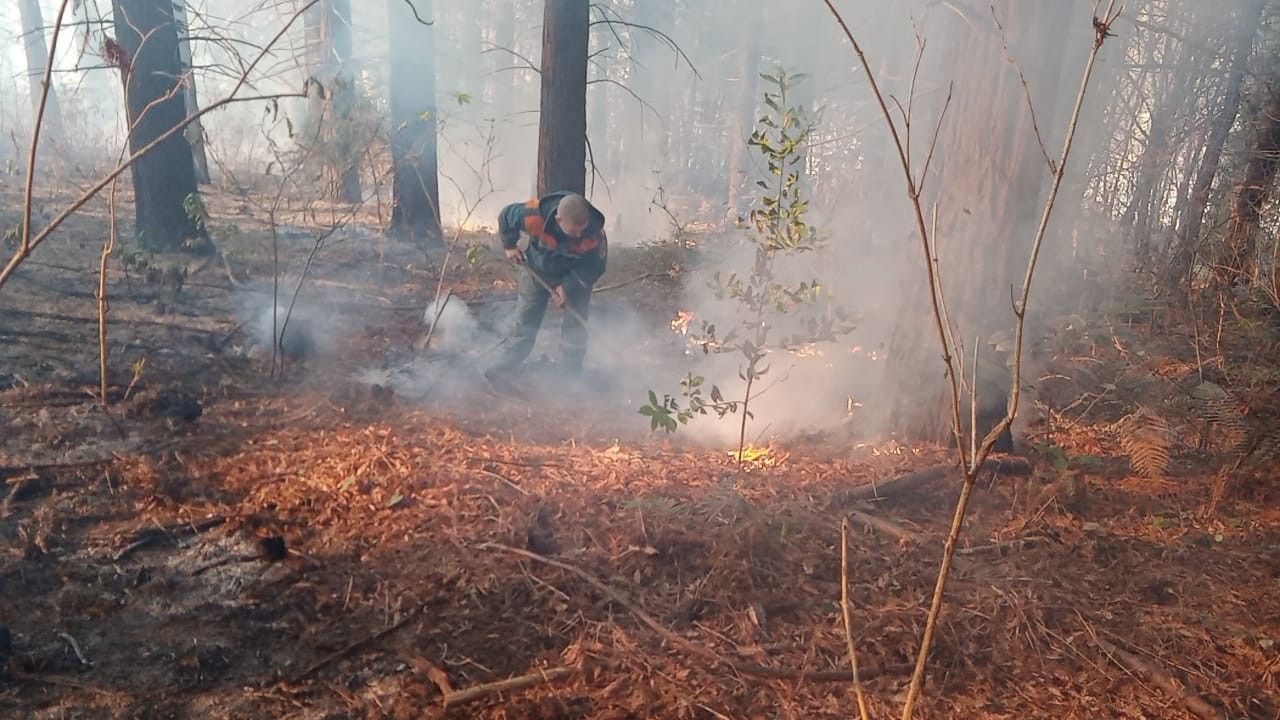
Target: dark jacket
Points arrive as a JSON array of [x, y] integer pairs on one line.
[[552, 254]]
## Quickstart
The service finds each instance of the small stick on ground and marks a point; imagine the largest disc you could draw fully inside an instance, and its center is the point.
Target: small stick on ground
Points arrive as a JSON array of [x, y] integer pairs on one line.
[[848, 620], [1002, 546], [877, 524], [75, 648], [146, 536], [357, 645], [1161, 679], [692, 648], [520, 682]]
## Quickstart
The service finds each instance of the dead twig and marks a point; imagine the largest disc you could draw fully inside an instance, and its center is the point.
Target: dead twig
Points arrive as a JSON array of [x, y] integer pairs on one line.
[[691, 648], [357, 645], [520, 682], [1161, 679], [632, 281], [848, 620], [1002, 546], [878, 524], [919, 478], [75, 648], [505, 481], [147, 536]]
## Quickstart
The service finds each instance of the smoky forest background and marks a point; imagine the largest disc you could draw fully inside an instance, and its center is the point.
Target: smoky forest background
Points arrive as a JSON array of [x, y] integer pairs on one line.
[[935, 371]]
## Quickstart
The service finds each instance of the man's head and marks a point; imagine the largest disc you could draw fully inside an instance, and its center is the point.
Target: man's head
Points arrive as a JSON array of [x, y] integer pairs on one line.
[[573, 214]]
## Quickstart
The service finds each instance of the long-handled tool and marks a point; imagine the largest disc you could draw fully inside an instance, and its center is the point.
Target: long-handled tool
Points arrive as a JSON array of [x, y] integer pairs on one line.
[[569, 308]]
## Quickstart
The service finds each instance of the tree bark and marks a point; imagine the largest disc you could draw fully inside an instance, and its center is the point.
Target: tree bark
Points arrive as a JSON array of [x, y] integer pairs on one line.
[[415, 210], [744, 117], [1240, 245], [989, 180], [562, 126], [343, 97], [37, 60], [327, 28], [1194, 210], [194, 131], [165, 177]]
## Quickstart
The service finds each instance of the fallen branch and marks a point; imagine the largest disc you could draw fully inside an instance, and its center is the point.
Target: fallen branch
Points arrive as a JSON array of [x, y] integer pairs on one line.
[[881, 525], [1161, 679], [692, 648], [1002, 546], [632, 281], [915, 480], [340, 654], [146, 536], [519, 682]]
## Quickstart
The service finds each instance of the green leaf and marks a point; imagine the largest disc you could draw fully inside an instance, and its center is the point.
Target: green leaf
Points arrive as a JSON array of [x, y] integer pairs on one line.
[[395, 500]]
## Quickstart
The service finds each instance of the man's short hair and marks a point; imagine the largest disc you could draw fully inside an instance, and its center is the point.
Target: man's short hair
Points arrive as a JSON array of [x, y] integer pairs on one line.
[[573, 210]]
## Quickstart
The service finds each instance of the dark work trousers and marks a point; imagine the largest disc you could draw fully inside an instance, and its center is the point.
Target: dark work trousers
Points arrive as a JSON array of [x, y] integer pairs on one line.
[[531, 306]]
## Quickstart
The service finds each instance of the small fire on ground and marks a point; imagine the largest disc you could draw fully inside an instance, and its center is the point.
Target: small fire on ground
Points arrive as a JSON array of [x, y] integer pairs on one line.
[[683, 319], [759, 457]]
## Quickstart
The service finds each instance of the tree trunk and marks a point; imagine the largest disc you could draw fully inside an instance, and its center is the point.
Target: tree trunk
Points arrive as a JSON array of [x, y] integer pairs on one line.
[[415, 210], [988, 185], [562, 126], [1240, 245], [652, 70], [194, 131], [501, 80], [37, 61], [1194, 210], [327, 28], [343, 98], [165, 177], [743, 119]]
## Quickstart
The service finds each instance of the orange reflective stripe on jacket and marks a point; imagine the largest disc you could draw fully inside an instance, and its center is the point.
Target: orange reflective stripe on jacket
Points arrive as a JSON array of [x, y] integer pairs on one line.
[[536, 227]]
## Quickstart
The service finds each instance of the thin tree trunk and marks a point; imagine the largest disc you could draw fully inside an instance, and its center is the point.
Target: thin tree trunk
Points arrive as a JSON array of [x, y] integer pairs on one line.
[[1194, 210], [562, 127], [1240, 245], [37, 60], [501, 80], [343, 97], [194, 131], [415, 186], [743, 119], [166, 177], [652, 68]]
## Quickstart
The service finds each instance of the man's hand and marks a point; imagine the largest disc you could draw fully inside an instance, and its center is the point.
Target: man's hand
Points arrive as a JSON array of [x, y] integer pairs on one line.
[[515, 255], [559, 297]]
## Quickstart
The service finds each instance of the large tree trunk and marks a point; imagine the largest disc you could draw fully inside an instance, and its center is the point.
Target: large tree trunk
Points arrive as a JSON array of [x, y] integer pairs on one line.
[[166, 176], [988, 186], [194, 131], [1240, 244], [1193, 212], [743, 119], [562, 126], [37, 61], [416, 204]]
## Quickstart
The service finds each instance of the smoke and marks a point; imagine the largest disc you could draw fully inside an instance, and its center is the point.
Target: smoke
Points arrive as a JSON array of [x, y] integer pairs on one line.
[[668, 119]]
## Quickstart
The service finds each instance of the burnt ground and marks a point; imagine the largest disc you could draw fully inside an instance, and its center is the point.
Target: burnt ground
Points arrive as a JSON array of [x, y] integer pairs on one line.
[[138, 576]]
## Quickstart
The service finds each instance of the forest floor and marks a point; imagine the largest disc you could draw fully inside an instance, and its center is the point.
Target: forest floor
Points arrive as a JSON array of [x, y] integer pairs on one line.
[[438, 542]]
